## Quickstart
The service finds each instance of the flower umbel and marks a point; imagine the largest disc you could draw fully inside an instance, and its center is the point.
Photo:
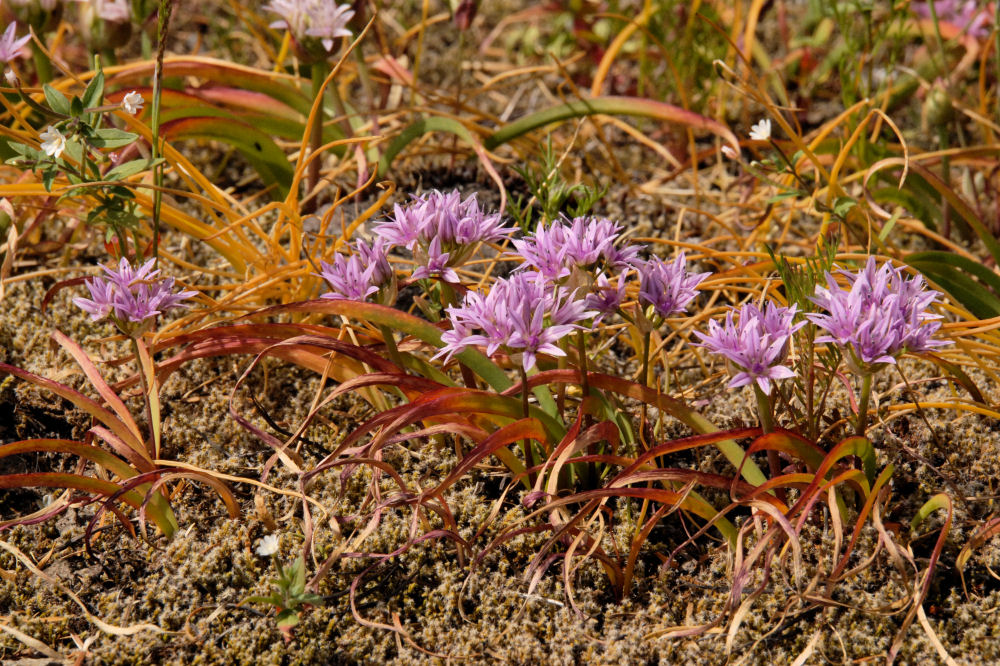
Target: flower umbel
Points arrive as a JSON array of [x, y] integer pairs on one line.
[[131, 296], [522, 314], [882, 315], [442, 231], [322, 19], [668, 286], [756, 341], [584, 242]]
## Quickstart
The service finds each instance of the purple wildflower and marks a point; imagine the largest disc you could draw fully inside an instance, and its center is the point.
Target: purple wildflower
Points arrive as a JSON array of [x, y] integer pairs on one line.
[[376, 255], [131, 296], [969, 15], [756, 342], [522, 314], [584, 242], [442, 231], [606, 297], [348, 277], [322, 19], [10, 46], [668, 286], [882, 315], [355, 277]]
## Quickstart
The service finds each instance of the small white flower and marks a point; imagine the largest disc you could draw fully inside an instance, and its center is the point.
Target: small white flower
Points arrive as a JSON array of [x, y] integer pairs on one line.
[[53, 142], [761, 131], [11, 78], [268, 545], [132, 103]]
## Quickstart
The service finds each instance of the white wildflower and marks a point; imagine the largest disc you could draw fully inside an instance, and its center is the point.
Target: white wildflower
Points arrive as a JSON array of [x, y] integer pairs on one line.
[[761, 131], [53, 142], [268, 545], [132, 103]]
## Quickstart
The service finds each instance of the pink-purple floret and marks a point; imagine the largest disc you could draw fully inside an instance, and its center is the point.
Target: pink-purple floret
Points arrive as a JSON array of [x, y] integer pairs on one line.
[[882, 315], [131, 295], [755, 340], [522, 314], [668, 286]]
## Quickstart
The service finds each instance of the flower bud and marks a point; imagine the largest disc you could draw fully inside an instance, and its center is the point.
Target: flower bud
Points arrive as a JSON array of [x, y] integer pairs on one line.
[[937, 107]]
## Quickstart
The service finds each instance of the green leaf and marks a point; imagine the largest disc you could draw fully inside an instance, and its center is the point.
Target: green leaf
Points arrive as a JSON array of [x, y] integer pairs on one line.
[[112, 138], [784, 195], [128, 169], [57, 101], [298, 577], [626, 106], [44, 110], [958, 275], [287, 619], [257, 147], [274, 599], [94, 93], [76, 107], [843, 205], [27, 151]]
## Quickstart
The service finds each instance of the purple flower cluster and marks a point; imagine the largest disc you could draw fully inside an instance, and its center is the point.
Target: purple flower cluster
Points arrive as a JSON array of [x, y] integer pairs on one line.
[[969, 15], [588, 243], [10, 46], [131, 295], [362, 274], [441, 230], [882, 315], [668, 286], [325, 20], [523, 314], [756, 341]]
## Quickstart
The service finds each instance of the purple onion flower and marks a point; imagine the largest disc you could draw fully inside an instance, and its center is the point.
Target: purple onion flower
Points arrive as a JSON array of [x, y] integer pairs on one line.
[[319, 19], [881, 316], [10, 46], [971, 16], [523, 314], [668, 286], [588, 243], [130, 296], [756, 341], [605, 296], [363, 273], [442, 231]]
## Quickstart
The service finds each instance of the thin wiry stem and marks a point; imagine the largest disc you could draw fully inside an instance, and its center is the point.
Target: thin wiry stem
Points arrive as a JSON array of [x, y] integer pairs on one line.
[[162, 28]]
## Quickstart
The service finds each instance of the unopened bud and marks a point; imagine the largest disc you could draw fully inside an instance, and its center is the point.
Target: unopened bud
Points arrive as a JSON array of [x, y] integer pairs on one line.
[[937, 106]]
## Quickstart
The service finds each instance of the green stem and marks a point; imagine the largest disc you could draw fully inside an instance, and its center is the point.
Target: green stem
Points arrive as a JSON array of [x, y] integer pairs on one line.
[[145, 391], [162, 27], [319, 72], [646, 337], [791, 167], [43, 68], [767, 425], [866, 392], [390, 345], [529, 458], [581, 349], [811, 425]]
